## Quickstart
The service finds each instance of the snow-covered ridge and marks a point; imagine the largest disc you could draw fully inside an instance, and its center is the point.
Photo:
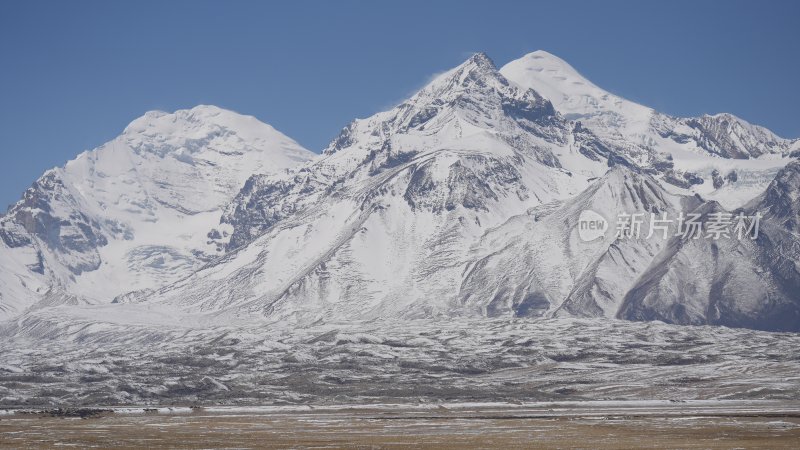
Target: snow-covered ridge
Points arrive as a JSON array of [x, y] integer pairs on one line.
[[579, 99], [696, 147], [186, 130]]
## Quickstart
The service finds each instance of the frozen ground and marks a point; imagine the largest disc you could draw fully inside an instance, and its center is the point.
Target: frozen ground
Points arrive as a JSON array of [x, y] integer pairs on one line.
[[556, 425], [487, 361]]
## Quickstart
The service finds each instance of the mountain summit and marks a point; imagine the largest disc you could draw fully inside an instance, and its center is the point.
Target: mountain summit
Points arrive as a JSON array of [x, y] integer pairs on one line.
[[576, 97]]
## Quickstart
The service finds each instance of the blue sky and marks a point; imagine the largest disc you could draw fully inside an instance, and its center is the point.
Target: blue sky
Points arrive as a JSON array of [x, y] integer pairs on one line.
[[74, 74]]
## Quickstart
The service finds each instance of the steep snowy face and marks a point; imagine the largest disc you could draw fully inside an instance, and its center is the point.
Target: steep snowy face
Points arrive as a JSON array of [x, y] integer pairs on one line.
[[191, 161], [134, 213], [577, 98], [469, 139], [689, 153], [465, 109], [380, 224]]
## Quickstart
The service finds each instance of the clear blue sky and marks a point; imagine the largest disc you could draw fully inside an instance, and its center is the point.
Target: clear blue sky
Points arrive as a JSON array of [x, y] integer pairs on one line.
[[74, 74]]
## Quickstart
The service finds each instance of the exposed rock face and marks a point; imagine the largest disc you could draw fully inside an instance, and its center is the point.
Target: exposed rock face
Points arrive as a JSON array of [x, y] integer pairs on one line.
[[781, 201], [725, 135], [50, 213]]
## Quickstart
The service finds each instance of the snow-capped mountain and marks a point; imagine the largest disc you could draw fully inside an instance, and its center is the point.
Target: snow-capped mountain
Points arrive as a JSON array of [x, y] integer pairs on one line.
[[720, 156], [461, 201], [381, 222], [134, 213], [462, 140]]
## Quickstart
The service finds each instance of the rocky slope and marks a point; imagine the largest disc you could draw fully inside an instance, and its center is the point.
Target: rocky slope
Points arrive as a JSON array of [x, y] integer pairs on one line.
[[751, 283]]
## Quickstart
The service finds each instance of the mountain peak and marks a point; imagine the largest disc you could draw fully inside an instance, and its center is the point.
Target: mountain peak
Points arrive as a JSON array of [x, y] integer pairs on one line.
[[545, 59], [477, 68], [481, 59], [197, 114], [191, 129], [571, 93], [549, 65], [471, 99], [542, 54]]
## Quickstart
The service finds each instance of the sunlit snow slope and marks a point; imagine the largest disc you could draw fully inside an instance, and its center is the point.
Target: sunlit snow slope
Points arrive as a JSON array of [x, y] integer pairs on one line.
[[134, 213]]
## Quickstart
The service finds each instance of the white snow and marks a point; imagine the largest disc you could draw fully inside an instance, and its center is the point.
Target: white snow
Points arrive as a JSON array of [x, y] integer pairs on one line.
[[155, 192]]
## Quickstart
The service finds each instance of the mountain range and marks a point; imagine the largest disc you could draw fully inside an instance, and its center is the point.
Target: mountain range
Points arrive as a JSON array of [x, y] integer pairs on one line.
[[462, 201]]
